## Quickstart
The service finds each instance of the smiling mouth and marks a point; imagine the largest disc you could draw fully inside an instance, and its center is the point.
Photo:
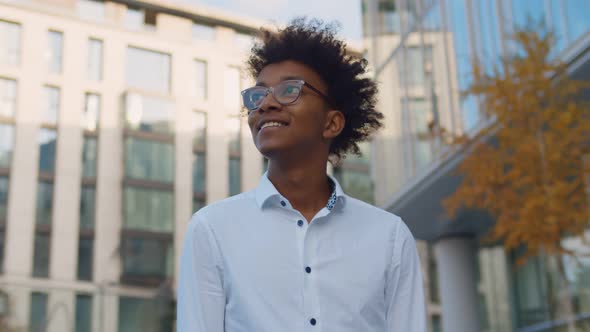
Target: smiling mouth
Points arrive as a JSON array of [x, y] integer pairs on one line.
[[272, 124]]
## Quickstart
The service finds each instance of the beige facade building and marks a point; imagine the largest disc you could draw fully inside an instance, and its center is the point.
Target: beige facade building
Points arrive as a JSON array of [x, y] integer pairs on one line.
[[117, 121]]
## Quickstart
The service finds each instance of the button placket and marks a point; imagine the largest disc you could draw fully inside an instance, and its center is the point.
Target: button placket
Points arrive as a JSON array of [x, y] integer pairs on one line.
[[311, 301]]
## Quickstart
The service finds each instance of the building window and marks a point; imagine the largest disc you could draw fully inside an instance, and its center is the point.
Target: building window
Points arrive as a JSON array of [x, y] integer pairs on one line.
[[421, 117], [200, 77], [199, 162], [38, 314], [41, 253], [157, 79], [83, 313], [95, 59], [47, 150], [10, 43], [148, 114], [234, 126], [86, 238], [148, 209], [203, 31], [418, 63], [6, 146], [3, 212], [44, 208], [232, 86], [51, 105], [55, 52], [7, 99], [149, 160], [91, 115], [433, 276], [88, 190], [92, 10], [148, 315]]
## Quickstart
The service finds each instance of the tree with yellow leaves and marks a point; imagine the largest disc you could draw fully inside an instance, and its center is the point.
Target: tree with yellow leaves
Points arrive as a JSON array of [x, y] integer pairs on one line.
[[527, 169]]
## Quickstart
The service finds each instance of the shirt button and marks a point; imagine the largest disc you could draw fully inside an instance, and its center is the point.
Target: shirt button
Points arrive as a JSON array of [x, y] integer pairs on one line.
[[283, 203], [312, 321], [308, 269], [300, 223]]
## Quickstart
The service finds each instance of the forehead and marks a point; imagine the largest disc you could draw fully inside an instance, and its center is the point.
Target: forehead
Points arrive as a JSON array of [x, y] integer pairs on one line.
[[275, 73]]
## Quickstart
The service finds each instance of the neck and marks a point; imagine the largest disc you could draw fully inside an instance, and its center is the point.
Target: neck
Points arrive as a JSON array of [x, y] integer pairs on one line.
[[305, 184]]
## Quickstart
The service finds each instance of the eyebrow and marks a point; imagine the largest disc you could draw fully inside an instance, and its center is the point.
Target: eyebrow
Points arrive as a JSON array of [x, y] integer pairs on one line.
[[284, 78]]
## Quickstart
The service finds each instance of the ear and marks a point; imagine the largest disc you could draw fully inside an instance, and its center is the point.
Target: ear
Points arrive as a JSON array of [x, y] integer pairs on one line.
[[335, 122]]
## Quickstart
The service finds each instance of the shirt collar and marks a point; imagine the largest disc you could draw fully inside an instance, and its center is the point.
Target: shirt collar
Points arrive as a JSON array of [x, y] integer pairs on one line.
[[266, 190]]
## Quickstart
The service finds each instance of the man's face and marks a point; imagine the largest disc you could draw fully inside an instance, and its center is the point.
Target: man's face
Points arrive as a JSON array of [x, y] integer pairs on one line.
[[302, 122]]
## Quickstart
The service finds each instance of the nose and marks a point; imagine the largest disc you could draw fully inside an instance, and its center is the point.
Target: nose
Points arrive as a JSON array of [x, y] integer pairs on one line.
[[269, 103]]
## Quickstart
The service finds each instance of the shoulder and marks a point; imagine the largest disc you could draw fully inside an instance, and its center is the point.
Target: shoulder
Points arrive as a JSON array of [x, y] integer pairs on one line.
[[225, 209]]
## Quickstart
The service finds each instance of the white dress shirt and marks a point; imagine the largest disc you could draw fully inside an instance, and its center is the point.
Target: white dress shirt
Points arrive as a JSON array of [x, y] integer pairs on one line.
[[251, 263]]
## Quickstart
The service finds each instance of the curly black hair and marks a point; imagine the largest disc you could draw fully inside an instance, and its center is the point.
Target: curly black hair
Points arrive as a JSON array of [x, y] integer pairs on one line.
[[315, 45]]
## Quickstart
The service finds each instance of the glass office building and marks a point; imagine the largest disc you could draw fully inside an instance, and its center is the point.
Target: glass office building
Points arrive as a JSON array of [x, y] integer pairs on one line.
[[422, 53]]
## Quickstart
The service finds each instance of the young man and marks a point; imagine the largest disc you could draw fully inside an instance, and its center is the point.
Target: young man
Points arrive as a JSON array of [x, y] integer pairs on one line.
[[297, 253]]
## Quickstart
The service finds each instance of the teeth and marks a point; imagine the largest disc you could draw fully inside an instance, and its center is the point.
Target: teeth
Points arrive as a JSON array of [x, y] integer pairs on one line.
[[271, 124]]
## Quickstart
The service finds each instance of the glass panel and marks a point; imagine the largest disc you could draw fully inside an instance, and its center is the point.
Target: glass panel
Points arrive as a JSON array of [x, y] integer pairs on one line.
[[91, 10], [199, 122], [38, 314], [83, 313], [41, 255], [421, 115], [433, 276], [54, 52], [357, 184], [44, 203], [10, 37], [231, 95], [577, 17], [415, 65], [91, 115], [94, 59], [87, 207], [89, 153], [235, 176], [146, 257], [6, 145], [134, 18], [51, 107], [85, 251], [149, 160], [148, 210], [7, 97], [577, 273], [489, 36], [457, 18], [530, 286], [436, 324], [233, 127], [47, 147], [522, 11], [200, 76], [149, 114], [199, 166], [144, 315], [203, 32], [3, 197], [157, 78]]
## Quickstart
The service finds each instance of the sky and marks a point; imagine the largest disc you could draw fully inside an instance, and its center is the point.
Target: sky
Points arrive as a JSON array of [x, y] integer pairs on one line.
[[347, 12]]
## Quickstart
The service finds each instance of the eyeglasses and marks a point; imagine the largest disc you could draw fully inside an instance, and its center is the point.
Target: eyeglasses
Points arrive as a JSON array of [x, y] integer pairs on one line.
[[285, 93]]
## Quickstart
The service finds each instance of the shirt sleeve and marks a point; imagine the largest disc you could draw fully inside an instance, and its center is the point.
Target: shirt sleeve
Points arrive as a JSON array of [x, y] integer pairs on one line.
[[201, 297], [404, 294]]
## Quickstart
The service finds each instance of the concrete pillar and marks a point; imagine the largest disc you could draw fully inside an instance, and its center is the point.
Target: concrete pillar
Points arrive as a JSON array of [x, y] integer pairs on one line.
[[456, 258]]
